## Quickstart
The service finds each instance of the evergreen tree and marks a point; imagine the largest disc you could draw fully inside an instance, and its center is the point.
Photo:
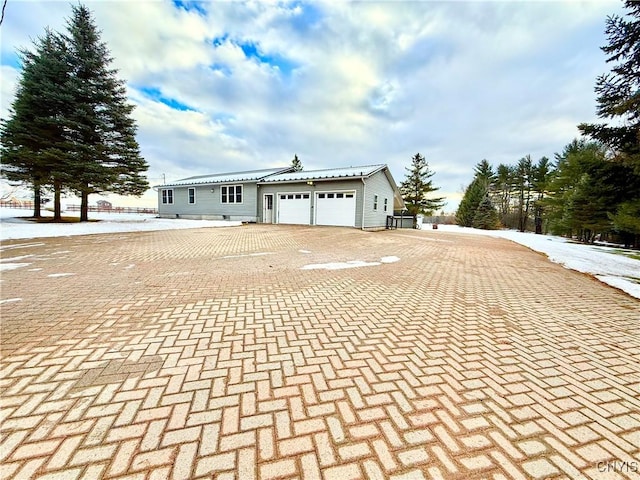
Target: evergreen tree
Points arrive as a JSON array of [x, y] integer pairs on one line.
[[618, 97], [296, 164], [484, 172], [70, 126], [473, 196], [504, 181], [486, 216], [542, 173], [479, 188], [626, 222], [524, 186], [105, 154], [34, 147], [619, 91], [586, 192], [416, 188]]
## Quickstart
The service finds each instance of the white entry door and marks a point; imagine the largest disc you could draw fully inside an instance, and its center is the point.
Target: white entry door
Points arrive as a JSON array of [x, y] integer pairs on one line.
[[267, 208], [294, 208], [336, 208]]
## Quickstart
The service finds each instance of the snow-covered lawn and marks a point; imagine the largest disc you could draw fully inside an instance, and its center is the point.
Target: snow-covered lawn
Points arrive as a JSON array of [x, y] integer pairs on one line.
[[608, 264], [13, 227]]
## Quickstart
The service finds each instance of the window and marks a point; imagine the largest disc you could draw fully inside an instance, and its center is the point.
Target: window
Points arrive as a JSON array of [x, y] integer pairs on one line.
[[167, 196], [375, 202], [386, 202], [192, 195], [231, 194]]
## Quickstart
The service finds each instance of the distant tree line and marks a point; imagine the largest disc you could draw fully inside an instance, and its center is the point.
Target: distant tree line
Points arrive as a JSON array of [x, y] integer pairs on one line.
[[592, 189], [70, 127]]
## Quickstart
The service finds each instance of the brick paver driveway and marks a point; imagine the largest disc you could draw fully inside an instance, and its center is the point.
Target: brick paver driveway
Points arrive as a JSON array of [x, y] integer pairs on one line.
[[213, 353]]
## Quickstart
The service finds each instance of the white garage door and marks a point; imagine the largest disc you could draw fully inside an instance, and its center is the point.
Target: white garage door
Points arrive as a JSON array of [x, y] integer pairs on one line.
[[294, 208], [336, 208]]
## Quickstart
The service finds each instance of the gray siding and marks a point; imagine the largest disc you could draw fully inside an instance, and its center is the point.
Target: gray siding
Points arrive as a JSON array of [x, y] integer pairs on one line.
[[318, 186], [208, 205], [377, 184]]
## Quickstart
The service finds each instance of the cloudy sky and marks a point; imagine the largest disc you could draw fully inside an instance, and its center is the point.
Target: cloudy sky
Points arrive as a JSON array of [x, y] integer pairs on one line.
[[228, 85]]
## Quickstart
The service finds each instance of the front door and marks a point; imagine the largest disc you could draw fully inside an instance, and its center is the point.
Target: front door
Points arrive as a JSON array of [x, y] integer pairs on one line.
[[267, 209]]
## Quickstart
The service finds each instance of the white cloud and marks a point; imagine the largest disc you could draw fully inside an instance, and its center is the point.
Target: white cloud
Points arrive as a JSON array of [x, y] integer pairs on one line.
[[346, 83]]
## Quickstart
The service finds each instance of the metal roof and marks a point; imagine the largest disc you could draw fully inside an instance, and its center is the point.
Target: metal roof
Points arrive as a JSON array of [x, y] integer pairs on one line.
[[252, 175], [328, 174]]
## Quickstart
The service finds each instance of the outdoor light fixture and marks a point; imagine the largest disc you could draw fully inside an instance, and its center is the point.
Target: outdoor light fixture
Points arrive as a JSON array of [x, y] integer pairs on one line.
[[310, 183]]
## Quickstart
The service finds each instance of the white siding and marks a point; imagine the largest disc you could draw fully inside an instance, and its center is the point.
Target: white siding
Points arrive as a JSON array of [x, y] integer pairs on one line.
[[377, 184]]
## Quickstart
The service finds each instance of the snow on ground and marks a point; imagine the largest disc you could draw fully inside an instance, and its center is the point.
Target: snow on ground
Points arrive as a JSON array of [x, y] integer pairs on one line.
[[608, 264], [13, 227], [348, 264]]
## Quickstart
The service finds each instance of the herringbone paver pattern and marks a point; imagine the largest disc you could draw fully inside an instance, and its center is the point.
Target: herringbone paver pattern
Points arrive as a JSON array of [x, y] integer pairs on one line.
[[212, 354]]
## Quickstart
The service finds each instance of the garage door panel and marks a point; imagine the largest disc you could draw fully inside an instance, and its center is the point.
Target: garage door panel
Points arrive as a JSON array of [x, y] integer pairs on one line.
[[294, 208], [336, 208]]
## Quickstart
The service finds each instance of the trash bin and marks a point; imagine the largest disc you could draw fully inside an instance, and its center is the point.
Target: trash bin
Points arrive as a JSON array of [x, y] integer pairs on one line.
[[435, 226]]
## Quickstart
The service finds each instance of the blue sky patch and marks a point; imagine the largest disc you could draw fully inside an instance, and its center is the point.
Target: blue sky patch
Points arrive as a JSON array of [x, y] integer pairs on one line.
[[217, 41], [222, 68], [252, 51], [310, 16], [191, 6], [11, 59], [156, 94]]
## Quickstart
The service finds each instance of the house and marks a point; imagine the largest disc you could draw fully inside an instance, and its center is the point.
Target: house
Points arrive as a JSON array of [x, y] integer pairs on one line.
[[361, 197]]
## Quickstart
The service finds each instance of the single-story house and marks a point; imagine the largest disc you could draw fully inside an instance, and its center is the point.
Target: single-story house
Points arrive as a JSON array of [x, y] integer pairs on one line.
[[361, 197]]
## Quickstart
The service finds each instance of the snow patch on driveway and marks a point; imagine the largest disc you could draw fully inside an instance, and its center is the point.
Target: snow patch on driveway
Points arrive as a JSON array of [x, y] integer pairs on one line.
[[348, 264]]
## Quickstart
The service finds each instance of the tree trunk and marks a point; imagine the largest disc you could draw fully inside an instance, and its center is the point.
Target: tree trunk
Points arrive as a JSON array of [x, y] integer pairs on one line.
[[37, 199], [57, 208], [84, 206]]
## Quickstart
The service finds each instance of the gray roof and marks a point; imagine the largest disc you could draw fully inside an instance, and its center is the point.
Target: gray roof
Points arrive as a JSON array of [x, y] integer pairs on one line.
[[328, 174], [249, 176]]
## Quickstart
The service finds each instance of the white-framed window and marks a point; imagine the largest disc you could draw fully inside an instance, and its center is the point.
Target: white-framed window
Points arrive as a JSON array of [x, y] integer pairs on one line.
[[191, 193], [231, 194], [386, 203], [375, 202], [167, 196]]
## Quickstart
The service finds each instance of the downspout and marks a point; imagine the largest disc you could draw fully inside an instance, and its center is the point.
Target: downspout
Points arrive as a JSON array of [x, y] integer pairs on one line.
[[364, 201]]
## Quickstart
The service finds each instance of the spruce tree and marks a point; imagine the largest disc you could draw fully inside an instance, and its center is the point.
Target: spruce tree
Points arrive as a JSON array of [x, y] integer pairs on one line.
[[417, 187], [619, 91], [106, 156], [296, 164], [34, 146], [473, 196], [478, 189], [486, 216], [70, 126], [618, 97]]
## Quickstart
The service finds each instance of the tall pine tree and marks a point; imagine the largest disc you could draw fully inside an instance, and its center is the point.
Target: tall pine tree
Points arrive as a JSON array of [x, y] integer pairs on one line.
[[417, 187], [70, 126], [34, 146], [619, 91], [106, 156], [474, 194], [618, 97]]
